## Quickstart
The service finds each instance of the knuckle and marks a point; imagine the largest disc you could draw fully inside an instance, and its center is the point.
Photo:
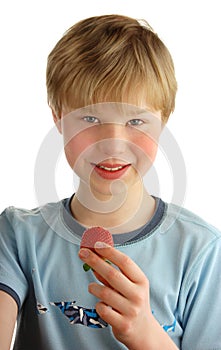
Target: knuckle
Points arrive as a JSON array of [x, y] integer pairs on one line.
[[102, 310], [125, 261], [126, 327], [113, 274], [146, 289], [146, 283], [105, 293], [134, 312], [140, 299], [92, 259]]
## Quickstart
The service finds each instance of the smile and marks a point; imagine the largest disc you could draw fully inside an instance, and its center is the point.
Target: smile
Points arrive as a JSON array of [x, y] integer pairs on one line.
[[112, 168], [109, 171]]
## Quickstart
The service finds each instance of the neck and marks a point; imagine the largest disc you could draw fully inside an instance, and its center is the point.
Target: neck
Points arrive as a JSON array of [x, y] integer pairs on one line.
[[122, 212]]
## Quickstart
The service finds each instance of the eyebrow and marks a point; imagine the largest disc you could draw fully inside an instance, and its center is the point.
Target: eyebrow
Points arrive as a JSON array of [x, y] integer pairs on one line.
[[127, 110]]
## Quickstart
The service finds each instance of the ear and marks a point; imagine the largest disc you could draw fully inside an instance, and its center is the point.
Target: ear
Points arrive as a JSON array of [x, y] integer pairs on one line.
[[57, 120]]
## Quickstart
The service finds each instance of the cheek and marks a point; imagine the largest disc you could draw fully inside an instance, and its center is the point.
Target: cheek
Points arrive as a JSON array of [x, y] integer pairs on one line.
[[148, 145], [76, 147]]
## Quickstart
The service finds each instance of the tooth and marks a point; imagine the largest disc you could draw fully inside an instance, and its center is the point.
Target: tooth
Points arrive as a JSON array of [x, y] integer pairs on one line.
[[110, 169], [117, 168]]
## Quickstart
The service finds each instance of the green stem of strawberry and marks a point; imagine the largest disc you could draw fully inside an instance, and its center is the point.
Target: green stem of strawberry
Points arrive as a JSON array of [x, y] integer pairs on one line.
[[86, 267]]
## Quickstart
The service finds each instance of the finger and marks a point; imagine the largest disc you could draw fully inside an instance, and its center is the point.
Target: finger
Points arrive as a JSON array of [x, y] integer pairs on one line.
[[114, 277], [101, 279], [109, 315], [126, 265], [110, 297]]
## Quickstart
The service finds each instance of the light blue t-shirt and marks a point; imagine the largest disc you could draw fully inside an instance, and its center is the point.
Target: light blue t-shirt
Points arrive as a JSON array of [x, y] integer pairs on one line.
[[39, 266]]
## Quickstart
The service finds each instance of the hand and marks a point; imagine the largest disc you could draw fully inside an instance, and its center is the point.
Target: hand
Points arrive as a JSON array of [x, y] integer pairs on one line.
[[124, 295]]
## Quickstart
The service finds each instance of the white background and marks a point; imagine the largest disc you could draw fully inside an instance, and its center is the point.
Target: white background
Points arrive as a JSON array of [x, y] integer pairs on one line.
[[190, 29]]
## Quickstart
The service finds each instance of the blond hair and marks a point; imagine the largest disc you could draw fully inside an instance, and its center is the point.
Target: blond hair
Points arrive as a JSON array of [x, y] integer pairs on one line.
[[111, 58]]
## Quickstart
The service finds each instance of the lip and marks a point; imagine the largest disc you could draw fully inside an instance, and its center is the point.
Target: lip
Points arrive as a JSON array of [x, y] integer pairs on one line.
[[111, 174]]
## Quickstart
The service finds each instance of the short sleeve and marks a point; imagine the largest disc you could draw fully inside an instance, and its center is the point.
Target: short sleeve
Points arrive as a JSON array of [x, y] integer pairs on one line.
[[12, 278], [202, 315]]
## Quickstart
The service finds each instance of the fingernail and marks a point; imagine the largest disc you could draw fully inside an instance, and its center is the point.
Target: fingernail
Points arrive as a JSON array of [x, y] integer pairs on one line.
[[101, 245], [84, 253]]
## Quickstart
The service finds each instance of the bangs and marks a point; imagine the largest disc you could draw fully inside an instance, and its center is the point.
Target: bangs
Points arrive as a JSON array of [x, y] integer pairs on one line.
[[123, 83], [116, 60]]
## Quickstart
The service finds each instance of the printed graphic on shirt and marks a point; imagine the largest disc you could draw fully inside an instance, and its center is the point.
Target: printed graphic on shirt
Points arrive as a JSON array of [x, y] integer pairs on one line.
[[41, 308], [85, 316], [80, 315], [170, 328]]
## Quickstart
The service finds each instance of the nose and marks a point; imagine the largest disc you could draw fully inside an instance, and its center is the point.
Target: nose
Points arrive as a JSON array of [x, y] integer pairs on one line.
[[112, 140]]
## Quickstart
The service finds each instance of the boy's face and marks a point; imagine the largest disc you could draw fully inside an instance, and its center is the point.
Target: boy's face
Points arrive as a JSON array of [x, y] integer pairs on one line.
[[106, 142]]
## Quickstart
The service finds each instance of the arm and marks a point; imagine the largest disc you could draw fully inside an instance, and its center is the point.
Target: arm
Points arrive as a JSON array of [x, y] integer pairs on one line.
[[8, 315], [124, 301]]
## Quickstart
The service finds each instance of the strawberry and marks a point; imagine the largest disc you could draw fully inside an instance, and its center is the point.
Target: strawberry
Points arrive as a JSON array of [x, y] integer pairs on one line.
[[93, 235]]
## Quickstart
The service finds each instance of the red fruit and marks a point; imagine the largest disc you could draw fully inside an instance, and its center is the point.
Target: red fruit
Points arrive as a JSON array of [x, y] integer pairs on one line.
[[96, 234]]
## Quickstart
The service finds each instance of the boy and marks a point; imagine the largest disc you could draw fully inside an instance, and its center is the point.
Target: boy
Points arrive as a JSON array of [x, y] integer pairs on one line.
[[111, 88]]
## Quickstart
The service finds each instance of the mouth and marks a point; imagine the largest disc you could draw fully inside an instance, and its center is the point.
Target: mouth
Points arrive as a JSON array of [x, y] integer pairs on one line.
[[112, 168], [111, 171]]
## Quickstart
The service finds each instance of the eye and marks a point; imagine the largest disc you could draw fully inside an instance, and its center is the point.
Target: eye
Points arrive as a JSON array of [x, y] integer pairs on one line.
[[91, 119], [135, 122]]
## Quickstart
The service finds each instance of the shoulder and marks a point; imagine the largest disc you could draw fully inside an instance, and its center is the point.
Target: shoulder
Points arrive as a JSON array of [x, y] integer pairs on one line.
[[195, 243], [189, 227], [184, 217], [15, 217], [26, 225]]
